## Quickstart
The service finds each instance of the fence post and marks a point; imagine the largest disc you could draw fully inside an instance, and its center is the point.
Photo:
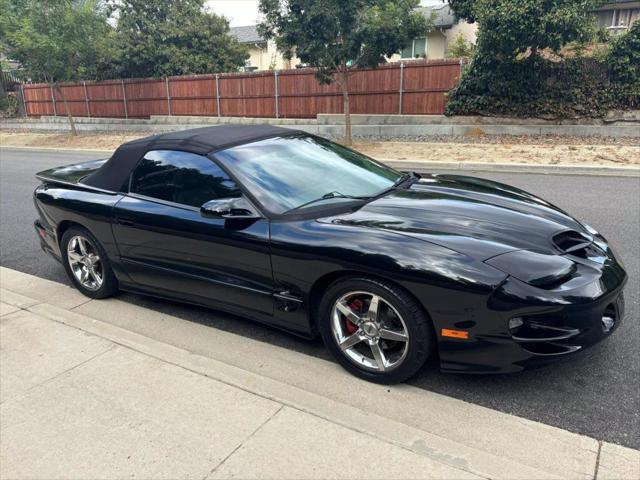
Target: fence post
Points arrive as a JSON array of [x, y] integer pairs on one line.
[[53, 100], [86, 98], [166, 82], [275, 76], [124, 99], [401, 86], [218, 93]]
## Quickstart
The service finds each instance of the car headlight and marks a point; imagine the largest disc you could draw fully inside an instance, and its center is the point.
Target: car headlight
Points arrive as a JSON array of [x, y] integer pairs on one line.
[[536, 269]]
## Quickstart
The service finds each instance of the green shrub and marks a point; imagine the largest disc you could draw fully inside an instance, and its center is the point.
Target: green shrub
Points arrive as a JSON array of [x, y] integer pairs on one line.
[[523, 66], [623, 60], [534, 86], [9, 106], [460, 48]]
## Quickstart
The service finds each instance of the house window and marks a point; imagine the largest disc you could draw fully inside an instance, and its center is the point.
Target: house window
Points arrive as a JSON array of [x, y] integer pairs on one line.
[[618, 18], [605, 19], [417, 49]]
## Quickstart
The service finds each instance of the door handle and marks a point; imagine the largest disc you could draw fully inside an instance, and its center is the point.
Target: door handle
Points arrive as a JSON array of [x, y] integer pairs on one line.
[[125, 221]]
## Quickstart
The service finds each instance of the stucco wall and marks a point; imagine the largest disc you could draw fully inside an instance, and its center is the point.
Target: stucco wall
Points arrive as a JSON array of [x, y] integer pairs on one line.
[[436, 45], [468, 30], [256, 56], [264, 55]]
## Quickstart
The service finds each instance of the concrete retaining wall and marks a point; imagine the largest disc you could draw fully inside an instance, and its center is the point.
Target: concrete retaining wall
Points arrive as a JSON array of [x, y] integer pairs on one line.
[[375, 126], [613, 118]]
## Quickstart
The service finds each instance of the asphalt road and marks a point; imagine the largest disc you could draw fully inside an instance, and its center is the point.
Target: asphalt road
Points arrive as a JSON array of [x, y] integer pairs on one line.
[[597, 395]]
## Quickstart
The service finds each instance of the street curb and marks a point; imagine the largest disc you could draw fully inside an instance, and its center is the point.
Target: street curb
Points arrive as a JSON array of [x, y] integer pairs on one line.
[[536, 169], [55, 149], [567, 454], [426, 167]]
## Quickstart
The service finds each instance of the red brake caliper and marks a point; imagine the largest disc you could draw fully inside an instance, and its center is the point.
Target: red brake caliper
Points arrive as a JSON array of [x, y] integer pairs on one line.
[[355, 305]]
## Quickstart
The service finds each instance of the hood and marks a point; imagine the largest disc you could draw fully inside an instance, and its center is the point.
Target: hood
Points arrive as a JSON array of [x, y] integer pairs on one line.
[[472, 216]]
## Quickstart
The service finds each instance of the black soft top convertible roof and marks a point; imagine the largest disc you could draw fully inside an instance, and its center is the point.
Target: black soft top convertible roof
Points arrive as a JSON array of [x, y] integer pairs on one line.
[[113, 174]]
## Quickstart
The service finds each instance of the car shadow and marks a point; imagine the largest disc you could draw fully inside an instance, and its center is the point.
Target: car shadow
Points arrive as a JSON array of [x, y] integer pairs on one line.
[[229, 323], [560, 394]]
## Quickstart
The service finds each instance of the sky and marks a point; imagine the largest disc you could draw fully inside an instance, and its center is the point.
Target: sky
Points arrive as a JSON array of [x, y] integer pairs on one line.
[[245, 12]]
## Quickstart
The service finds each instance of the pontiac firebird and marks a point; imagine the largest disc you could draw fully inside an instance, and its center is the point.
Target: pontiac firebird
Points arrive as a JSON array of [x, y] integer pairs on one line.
[[303, 234]]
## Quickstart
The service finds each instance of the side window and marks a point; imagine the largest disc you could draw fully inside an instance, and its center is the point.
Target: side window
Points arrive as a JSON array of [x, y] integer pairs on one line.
[[181, 177]]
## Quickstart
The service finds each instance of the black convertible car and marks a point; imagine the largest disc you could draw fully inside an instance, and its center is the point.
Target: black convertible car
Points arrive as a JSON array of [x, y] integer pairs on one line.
[[303, 234]]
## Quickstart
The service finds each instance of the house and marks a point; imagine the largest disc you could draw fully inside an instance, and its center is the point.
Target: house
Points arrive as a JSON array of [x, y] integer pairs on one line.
[[618, 16], [436, 44], [263, 54]]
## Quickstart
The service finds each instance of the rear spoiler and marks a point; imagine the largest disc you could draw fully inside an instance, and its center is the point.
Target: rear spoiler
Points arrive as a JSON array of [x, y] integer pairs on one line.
[[72, 174]]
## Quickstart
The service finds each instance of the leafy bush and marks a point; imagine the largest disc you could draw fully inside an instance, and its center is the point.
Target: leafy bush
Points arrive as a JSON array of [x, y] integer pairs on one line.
[[9, 106], [623, 61], [518, 68], [460, 48]]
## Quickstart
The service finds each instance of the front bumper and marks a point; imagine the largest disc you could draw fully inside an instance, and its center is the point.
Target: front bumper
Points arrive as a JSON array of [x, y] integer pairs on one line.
[[546, 324]]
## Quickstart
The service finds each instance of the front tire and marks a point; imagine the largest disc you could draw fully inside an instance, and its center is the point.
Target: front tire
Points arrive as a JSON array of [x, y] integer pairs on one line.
[[375, 330], [87, 264]]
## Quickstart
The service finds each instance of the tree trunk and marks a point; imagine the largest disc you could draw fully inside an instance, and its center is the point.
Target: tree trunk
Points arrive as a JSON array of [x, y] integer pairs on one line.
[[3, 93], [72, 123], [344, 84]]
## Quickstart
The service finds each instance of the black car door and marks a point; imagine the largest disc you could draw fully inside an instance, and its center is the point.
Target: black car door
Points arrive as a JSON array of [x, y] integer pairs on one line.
[[168, 246]]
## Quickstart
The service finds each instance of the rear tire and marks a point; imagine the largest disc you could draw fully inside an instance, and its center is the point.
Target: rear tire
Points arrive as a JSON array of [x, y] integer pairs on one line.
[[87, 264], [375, 330]]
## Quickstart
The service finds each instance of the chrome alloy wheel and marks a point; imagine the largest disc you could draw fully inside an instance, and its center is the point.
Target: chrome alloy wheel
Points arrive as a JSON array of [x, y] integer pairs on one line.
[[85, 262], [369, 331]]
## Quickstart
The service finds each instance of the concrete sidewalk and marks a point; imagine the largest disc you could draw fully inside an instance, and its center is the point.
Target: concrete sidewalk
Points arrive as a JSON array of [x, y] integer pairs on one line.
[[81, 397]]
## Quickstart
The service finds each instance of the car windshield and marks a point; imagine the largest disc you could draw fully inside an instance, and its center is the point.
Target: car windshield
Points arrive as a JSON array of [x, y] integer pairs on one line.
[[284, 173]]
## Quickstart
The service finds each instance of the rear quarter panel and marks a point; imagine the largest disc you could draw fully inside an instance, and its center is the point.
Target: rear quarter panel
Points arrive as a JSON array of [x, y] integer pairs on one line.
[[59, 205]]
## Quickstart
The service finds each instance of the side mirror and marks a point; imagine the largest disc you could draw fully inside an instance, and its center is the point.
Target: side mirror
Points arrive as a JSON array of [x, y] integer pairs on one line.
[[229, 208]]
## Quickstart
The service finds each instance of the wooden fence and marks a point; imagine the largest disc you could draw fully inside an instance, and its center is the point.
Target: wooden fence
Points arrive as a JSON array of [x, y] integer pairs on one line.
[[414, 87], [8, 81]]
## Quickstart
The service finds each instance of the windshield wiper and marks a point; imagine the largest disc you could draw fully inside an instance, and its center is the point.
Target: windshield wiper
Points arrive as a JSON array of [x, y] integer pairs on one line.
[[327, 196], [402, 179]]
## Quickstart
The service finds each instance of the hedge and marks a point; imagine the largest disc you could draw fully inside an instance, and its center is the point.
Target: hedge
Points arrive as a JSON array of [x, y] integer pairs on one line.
[[536, 86]]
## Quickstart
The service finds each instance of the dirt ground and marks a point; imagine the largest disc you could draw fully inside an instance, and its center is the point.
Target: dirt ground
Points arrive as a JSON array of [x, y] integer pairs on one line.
[[540, 154], [488, 149], [63, 140]]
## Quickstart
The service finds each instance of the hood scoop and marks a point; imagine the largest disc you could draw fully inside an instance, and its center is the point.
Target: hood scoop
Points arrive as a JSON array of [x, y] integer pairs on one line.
[[572, 242]]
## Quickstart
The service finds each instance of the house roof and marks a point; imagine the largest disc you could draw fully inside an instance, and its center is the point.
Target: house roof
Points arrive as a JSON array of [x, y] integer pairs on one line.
[[443, 18], [247, 34]]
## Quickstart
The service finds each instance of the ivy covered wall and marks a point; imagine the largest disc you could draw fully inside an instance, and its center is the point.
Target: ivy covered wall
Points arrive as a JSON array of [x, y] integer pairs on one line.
[[520, 67]]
